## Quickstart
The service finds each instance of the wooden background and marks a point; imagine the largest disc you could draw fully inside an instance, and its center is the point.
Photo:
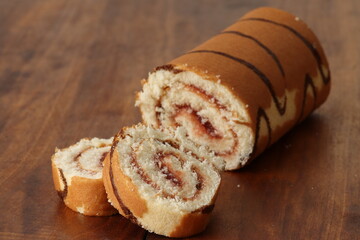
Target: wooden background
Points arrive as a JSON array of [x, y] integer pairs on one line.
[[69, 69]]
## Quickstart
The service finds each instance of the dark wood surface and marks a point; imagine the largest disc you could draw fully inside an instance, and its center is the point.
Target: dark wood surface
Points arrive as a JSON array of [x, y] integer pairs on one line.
[[69, 69]]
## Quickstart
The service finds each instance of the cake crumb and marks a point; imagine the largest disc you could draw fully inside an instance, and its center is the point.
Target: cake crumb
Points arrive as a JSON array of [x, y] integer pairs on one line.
[[297, 19], [238, 185], [80, 209]]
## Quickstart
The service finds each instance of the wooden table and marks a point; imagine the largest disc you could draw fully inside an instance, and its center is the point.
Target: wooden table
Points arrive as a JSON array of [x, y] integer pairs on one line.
[[69, 69]]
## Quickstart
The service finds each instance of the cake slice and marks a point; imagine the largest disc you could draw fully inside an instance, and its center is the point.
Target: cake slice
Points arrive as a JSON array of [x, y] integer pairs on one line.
[[161, 181], [77, 175]]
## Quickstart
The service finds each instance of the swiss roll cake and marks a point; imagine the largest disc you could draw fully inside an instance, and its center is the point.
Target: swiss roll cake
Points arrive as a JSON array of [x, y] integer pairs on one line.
[[161, 181], [77, 175], [243, 89]]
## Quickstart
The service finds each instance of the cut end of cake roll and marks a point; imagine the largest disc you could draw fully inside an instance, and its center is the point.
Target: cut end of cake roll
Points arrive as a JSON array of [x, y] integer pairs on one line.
[[243, 89], [77, 176], [161, 181], [211, 113]]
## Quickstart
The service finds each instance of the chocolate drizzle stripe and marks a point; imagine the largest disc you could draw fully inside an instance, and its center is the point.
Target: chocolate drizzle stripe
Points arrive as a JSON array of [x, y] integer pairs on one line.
[[125, 209], [261, 75], [261, 114], [268, 51], [307, 43], [308, 80], [168, 67], [114, 144], [63, 193], [103, 157], [307, 83]]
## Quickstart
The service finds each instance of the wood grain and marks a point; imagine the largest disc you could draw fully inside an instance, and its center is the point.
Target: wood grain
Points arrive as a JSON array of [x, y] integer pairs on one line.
[[69, 69]]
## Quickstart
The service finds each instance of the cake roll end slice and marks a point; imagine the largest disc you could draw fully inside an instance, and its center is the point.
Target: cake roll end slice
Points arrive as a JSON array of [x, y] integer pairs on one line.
[[77, 176]]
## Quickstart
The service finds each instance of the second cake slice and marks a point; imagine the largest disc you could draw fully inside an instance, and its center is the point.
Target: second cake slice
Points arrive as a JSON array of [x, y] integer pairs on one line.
[[161, 180]]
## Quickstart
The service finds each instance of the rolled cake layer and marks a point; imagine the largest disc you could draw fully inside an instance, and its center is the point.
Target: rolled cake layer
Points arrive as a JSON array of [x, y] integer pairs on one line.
[[161, 181], [77, 175], [243, 89]]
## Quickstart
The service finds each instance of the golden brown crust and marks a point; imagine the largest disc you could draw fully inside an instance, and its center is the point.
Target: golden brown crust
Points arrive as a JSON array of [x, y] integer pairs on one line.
[[90, 195], [262, 59], [83, 195], [127, 192], [56, 176], [196, 221], [108, 187], [294, 22], [191, 224]]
